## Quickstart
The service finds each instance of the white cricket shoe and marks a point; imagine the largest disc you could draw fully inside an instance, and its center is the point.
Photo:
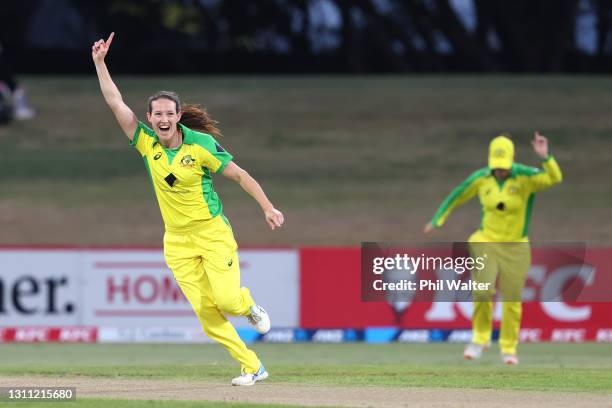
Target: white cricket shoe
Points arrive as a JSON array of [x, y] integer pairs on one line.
[[21, 107], [510, 359], [259, 319], [473, 351], [251, 379]]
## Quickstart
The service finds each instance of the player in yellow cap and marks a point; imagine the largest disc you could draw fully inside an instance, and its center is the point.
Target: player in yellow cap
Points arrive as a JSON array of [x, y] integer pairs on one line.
[[181, 155], [506, 191]]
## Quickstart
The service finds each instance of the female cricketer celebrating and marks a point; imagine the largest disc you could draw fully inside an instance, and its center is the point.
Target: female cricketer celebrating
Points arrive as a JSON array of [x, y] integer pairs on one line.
[[199, 245], [506, 191]]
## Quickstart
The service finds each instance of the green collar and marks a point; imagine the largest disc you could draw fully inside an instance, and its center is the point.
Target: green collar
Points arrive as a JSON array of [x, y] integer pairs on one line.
[[187, 134]]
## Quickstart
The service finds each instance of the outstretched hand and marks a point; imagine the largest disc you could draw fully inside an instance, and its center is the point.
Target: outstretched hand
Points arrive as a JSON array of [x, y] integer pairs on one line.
[[274, 218], [100, 48], [540, 145]]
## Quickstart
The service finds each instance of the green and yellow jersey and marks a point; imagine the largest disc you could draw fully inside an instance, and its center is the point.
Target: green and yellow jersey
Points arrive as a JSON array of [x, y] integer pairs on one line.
[[182, 177], [505, 206]]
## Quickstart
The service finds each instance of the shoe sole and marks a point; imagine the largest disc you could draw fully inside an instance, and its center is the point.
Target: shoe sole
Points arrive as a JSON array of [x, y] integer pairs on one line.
[[243, 385], [470, 357], [262, 331], [259, 378]]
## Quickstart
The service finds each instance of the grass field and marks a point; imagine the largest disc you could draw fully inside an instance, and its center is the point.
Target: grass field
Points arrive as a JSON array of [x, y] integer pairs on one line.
[[348, 159], [549, 368]]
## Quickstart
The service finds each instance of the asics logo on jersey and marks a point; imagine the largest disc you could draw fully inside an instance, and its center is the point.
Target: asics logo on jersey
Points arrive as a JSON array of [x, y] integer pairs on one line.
[[157, 156]]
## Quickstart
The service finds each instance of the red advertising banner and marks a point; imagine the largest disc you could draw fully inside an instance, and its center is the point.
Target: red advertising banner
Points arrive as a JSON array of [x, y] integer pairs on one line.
[[68, 334], [331, 298]]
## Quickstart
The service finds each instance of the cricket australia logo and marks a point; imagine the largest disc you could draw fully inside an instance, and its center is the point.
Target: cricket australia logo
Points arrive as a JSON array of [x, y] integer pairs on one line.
[[187, 161], [499, 153]]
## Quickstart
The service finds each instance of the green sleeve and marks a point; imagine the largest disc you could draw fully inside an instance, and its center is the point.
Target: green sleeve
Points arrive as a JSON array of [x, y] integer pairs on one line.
[[208, 143], [460, 194]]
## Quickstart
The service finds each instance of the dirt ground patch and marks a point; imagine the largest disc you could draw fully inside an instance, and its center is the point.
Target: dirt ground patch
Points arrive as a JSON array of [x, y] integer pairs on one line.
[[310, 395]]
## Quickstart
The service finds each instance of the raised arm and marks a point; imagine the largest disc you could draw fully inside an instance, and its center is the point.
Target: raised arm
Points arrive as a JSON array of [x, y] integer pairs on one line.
[[124, 115], [551, 175], [274, 218]]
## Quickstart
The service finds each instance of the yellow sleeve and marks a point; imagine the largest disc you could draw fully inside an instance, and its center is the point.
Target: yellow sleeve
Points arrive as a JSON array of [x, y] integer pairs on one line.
[[546, 178], [460, 194], [143, 139], [210, 154]]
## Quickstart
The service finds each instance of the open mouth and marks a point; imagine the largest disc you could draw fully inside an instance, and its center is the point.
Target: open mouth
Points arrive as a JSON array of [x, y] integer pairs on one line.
[[164, 128]]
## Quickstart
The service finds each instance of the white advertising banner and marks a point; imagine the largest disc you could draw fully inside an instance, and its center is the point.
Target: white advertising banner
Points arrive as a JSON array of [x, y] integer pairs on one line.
[[130, 289], [39, 288]]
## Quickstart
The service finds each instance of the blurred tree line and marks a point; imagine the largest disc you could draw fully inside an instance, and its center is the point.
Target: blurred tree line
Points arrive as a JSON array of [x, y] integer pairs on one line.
[[313, 35]]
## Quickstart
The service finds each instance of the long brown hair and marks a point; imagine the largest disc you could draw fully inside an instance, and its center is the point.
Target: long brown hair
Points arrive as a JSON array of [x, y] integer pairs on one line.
[[194, 116]]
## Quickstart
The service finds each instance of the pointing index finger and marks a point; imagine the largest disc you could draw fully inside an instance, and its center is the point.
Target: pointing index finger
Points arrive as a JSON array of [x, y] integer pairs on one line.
[[110, 39]]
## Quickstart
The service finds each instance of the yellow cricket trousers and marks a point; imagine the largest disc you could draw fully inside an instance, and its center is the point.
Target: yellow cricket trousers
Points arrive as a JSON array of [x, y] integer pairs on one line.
[[510, 262], [204, 261]]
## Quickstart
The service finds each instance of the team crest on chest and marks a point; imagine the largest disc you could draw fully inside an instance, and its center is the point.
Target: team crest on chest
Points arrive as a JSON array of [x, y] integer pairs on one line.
[[187, 161], [513, 190]]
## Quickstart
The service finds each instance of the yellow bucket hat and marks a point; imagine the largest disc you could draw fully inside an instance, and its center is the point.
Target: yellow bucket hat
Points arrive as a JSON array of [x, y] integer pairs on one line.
[[501, 153]]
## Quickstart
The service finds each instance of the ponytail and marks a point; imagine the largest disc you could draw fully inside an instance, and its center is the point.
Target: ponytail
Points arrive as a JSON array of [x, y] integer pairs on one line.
[[196, 117]]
